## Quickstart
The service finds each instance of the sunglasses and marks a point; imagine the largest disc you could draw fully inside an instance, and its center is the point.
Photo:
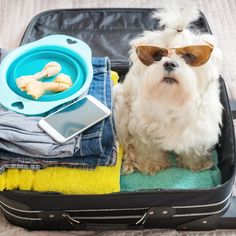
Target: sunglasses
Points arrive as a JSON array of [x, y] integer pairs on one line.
[[196, 55]]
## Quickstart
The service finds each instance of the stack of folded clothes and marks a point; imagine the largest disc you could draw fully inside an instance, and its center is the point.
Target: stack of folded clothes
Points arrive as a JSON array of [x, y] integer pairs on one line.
[[28, 147], [24, 146]]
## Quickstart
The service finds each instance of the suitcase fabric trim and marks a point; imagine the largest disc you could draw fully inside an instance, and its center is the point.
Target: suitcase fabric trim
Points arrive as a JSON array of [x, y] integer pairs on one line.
[[140, 213]]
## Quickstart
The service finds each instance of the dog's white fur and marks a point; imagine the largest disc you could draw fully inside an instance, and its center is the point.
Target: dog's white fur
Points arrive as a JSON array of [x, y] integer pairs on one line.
[[153, 117]]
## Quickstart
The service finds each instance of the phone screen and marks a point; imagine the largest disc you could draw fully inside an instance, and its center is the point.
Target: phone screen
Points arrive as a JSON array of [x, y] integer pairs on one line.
[[75, 117]]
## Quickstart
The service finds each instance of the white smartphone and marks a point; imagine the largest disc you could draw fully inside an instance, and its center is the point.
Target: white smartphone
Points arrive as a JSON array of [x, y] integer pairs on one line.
[[73, 119]]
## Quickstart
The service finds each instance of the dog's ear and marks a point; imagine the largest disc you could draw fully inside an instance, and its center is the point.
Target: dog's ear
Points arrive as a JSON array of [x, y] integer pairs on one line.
[[216, 55], [133, 44]]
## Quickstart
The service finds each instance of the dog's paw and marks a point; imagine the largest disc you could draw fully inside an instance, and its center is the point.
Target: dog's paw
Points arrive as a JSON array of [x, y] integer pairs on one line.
[[207, 165], [154, 167], [151, 165], [127, 167], [152, 170], [193, 165], [203, 165], [129, 164]]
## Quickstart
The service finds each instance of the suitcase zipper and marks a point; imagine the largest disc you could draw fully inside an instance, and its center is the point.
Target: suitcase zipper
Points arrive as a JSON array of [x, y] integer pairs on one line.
[[16, 216], [16, 209], [204, 214], [206, 205]]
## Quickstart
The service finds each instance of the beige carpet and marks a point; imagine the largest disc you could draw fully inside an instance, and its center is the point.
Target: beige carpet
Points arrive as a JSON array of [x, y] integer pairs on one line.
[[221, 15]]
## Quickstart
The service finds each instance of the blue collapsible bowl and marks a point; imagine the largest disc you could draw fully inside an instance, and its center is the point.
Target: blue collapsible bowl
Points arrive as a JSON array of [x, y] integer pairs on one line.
[[72, 54]]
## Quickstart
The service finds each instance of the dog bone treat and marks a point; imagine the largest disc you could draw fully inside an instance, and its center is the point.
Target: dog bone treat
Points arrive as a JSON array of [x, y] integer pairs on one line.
[[37, 88], [52, 68]]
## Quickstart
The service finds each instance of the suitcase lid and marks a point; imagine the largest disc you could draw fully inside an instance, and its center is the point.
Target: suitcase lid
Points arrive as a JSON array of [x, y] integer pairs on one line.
[[107, 31]]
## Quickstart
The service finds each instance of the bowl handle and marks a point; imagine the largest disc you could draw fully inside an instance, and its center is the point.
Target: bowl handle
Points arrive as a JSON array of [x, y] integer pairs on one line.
[[68, 42], [33, 108]]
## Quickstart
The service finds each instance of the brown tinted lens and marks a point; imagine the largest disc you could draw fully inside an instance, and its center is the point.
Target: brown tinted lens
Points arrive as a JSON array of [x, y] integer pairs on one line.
[[195, 55], [148, 54]]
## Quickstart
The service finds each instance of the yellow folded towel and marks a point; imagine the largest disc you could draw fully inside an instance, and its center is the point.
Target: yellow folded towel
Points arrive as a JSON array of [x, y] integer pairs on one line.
[[65, 180]]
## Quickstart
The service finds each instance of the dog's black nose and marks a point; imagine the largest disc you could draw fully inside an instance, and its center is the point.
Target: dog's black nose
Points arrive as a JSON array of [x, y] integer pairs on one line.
[[170, 65]]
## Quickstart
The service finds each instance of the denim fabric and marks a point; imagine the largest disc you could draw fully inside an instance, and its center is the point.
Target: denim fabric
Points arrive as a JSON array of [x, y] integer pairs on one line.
[[97, 145]]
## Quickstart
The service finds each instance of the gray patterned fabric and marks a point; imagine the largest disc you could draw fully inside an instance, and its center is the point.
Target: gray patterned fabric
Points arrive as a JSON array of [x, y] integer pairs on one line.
[[221, 15]]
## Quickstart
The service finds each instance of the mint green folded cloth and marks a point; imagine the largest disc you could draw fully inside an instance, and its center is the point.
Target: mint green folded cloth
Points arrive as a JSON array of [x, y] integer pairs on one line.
[[173, 178]]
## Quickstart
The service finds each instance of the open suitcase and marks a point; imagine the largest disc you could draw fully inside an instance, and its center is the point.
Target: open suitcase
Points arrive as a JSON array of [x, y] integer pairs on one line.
[[108, 32]]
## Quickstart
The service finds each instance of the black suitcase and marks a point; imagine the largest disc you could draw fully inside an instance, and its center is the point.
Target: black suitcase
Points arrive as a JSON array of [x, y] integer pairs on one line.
[[108, 32]]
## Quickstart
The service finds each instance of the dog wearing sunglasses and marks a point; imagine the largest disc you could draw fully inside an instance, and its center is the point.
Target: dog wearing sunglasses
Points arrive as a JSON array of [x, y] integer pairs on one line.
[[169, 100]]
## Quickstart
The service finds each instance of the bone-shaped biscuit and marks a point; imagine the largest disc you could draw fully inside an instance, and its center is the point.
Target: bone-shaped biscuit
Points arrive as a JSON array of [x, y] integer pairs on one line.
[[50, 69], [36, 88]]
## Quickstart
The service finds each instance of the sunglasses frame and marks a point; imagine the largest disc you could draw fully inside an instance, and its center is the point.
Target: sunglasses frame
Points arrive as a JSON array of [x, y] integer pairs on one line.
[[147, 58]]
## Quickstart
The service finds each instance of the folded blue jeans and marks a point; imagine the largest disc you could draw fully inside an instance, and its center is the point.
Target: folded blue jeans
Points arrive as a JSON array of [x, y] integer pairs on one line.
[[97, 144]]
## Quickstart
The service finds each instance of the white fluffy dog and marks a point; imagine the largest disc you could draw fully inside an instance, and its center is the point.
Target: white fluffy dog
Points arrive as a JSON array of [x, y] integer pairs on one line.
[[169, 100]]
